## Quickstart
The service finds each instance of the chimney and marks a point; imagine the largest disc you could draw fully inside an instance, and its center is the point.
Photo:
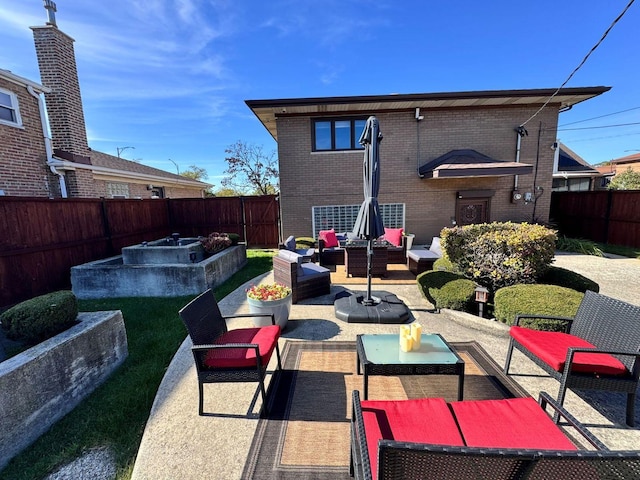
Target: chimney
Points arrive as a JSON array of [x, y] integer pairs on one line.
[[58, 71]]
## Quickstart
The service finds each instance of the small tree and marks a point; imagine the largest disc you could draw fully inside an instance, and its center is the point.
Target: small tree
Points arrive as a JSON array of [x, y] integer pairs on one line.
[[627, 180], [195, 173], [251, 170]]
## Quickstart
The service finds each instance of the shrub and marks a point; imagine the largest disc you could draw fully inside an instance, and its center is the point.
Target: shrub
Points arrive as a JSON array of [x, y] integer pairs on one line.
[[41, 317], [536, 300], [446, 289], [570, 279], [579, 245], [305, 242], [444, 264], [234, 237], [215, 242], [500, 254]]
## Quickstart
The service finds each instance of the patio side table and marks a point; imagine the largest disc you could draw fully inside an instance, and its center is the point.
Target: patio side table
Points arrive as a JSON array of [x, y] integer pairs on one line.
[[381, 355]]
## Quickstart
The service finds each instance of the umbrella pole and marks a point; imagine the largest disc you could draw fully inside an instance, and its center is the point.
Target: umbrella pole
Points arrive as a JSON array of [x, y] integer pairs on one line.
[[369, 300]]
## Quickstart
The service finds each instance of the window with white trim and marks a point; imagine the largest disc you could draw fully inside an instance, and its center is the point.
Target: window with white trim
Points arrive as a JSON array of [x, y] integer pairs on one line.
[[9, 111], [342, 218], [117, 190]]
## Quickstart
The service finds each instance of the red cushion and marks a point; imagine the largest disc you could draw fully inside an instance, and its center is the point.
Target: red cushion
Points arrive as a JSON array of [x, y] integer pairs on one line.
[[551, 348], [393, 236], [329, 237], [511, 423], [265, 337], [425, 420]]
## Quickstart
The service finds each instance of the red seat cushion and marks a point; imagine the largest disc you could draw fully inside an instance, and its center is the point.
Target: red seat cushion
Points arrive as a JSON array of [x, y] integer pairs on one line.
[[551, 348], [510, 423], [265, 337], [425, 420]]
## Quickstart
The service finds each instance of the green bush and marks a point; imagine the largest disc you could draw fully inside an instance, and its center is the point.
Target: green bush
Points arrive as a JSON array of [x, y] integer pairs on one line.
[[446, 289], [41, 317], [536, 300], [579, 245], [444, 264], [567, 278], [305, 242], [234, 237], [497, 255]]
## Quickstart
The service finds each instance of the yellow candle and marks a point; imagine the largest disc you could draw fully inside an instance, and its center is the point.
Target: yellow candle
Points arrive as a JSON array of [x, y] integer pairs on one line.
[[406, 342], [416, 333], [405, 330]]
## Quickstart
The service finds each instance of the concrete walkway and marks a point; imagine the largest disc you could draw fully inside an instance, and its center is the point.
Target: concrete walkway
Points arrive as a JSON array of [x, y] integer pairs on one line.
[[178, 443]]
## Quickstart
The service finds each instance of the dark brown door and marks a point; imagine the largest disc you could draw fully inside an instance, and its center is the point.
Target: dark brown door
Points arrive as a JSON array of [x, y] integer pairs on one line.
[[472, 210]]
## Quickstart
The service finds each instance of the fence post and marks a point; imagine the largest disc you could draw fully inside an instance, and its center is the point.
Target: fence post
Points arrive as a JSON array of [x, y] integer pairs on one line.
[[607, 215], [106, 226]]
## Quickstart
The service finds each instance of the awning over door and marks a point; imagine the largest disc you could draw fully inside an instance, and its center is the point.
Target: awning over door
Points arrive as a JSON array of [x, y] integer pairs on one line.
[[469, 163]]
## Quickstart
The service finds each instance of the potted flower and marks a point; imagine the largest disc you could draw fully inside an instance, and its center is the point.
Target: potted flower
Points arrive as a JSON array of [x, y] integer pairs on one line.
[[272, 298]]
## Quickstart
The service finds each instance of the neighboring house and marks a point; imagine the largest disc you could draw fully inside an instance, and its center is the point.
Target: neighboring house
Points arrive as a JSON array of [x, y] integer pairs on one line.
[[42, 157], [618, 165], [446, 158], [572, 173]]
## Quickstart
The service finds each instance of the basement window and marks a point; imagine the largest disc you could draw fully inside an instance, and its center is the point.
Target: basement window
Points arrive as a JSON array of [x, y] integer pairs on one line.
[[9, 112], [117, 190], [342, 218]]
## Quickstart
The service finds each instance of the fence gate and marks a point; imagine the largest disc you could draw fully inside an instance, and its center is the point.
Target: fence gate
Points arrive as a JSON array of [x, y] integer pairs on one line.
[[261, 217]]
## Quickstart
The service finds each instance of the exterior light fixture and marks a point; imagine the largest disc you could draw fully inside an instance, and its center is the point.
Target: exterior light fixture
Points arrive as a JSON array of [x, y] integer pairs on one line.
[[482, 297]]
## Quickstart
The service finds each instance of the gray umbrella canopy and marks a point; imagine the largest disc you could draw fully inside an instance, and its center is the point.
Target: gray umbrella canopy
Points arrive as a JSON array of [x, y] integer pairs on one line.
[[369, 221]]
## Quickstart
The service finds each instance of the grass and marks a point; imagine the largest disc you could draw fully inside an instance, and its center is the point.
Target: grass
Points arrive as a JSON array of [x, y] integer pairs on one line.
[[589, 247], [115, 414]]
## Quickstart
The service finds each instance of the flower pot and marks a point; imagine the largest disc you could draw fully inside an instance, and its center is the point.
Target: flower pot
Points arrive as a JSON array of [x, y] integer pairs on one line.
[[409, 240], [279, 308]]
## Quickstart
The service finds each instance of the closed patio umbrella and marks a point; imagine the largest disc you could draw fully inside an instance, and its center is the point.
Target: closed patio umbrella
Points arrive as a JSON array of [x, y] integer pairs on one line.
[[369, 221]]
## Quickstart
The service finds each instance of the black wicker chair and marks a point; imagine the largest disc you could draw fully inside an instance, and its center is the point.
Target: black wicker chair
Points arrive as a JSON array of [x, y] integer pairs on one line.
[[400, 460], [613, 326], [222, 355]]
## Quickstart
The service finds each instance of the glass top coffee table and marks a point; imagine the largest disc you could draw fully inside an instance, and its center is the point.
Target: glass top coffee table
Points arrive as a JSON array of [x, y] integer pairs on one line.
[[381, 355]]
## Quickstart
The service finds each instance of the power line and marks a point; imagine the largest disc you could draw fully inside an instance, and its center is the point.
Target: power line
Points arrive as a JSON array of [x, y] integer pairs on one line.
[[601, 116], [602, 138], [582, 62], [601, 126]]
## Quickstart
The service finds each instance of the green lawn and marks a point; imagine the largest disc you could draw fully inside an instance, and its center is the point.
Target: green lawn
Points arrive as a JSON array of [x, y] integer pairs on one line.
[[116, 413]]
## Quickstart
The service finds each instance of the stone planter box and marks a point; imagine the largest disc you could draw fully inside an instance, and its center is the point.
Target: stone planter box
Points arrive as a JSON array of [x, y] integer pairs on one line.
[[111, 278], [44, 383]]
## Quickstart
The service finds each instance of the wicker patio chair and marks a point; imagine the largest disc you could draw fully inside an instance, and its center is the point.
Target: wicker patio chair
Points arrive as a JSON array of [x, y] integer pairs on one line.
[[222, 355]]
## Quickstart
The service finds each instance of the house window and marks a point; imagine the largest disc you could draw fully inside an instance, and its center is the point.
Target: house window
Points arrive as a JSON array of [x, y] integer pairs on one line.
[[342, 218], [117, 190], [9, 112], [571, 184], [337, 134]]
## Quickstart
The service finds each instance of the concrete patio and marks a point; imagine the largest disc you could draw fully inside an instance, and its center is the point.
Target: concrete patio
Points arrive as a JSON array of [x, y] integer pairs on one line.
[[178, 443]]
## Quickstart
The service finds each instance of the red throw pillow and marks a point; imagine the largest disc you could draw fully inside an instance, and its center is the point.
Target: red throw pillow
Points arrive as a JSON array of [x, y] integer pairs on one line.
[[393, 236], [329, 237]]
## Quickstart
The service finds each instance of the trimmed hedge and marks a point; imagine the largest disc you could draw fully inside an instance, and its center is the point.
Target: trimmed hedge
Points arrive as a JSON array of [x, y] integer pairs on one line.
[[497, 255], [305, 242], [536, 300], [41, 317], [447, 290], [443, 264], [568, 278]]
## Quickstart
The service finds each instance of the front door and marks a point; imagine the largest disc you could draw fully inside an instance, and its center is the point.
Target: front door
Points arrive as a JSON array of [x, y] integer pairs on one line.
[[472, 210]]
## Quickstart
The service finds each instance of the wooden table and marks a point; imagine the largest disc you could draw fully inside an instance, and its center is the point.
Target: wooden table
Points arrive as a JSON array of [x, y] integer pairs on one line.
[[355, 261]]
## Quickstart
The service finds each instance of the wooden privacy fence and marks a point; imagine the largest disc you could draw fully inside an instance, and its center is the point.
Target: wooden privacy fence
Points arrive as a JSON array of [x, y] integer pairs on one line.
[[609, 216], [41, 239]]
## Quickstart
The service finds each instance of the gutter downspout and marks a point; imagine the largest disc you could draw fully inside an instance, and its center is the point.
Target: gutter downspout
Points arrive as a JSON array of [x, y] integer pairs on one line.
[[521, 131], [47, 141]]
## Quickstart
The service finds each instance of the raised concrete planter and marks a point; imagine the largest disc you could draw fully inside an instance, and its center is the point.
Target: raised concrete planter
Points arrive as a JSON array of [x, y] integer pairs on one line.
[[43, 384], [111, 278]]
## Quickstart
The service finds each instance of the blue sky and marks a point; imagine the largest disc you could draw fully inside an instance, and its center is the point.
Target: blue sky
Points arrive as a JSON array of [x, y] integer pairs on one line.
[[169, 77]]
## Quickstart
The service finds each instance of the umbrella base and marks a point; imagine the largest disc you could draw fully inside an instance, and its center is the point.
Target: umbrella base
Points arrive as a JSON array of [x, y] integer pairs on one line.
[[386, 308]]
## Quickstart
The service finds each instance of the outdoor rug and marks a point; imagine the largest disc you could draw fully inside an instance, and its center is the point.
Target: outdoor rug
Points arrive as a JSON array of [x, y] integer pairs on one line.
[[306, 435]]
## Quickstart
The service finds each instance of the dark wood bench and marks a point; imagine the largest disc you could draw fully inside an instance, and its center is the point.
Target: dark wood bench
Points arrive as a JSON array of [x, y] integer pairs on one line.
[[598, 350], [484, 439]]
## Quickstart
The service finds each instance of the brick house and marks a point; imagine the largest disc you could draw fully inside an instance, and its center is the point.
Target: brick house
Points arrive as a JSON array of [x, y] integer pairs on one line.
[[572, 173], [446, 158], [618, 165], [47, 155]]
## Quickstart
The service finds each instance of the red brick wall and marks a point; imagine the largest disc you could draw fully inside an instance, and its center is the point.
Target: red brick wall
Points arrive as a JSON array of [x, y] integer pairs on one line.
[[23, 170], [310, 179]]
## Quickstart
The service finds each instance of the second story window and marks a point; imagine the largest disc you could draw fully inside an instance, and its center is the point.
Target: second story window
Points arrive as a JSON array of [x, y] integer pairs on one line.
[[9, 113], [337, 134]]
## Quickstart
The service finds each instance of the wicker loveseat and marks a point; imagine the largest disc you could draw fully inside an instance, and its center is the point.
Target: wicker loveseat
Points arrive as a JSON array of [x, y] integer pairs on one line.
[[599, 349], [429, 438]]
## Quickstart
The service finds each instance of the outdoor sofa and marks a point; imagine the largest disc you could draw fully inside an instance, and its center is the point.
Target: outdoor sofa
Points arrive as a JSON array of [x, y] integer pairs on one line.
[[305, 279], [598, 350], [331, 252], [308, 254], [507, 439], [422, 259]]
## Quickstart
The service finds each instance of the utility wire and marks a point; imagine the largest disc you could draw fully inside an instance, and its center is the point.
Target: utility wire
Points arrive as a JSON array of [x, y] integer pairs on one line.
[[582, 62], [596, 118], [601, 126]]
